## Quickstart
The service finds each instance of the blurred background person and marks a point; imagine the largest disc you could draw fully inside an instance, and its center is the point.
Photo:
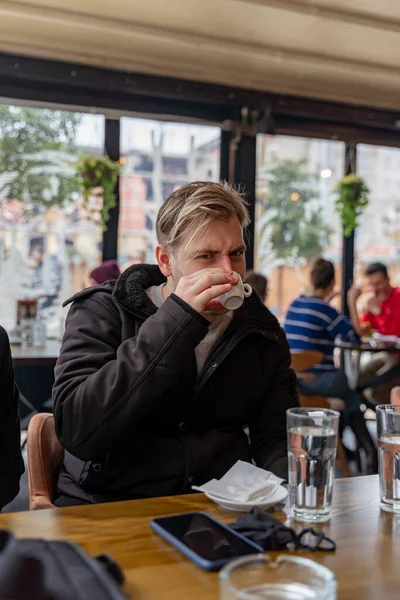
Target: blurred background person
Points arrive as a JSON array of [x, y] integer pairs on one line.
[[312, 324], [380, 313], [259, 283], [382, 304], [107, 270]]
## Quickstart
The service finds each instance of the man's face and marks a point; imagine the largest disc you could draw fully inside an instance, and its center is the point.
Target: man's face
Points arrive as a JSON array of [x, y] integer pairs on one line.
[[379, 284], [220, 245]]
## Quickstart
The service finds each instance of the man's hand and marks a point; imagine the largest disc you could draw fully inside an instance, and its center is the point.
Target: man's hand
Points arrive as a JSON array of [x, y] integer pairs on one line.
[[200, 288], [353, 294], [366, 329]]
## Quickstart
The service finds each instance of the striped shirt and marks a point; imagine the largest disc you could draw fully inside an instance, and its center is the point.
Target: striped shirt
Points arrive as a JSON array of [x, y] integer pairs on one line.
[[313, 324]]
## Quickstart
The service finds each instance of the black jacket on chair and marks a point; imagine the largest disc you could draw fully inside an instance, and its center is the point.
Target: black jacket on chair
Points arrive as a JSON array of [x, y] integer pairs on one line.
[[135, 418], [11, 463]]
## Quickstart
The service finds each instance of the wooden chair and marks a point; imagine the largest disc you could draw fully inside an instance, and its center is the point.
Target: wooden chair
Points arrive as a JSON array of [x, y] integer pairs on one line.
[[301, 361], [45, 455]]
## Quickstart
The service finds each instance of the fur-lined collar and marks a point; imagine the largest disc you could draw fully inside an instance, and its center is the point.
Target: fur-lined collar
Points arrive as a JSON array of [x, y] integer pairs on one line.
[[129, 289]]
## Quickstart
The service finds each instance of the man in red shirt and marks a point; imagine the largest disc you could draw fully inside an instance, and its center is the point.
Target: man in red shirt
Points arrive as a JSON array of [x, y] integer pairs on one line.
[[383, 305], [381, 314]]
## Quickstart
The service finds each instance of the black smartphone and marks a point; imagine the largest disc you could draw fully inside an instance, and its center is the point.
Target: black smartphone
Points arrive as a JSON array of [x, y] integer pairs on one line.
[[204, 540]]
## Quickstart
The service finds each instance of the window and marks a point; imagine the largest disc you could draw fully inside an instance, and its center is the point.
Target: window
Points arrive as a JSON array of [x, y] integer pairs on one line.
[[47, 242], [158, 158], [378, 236], [295, 216], [149, 223], [174, 165]]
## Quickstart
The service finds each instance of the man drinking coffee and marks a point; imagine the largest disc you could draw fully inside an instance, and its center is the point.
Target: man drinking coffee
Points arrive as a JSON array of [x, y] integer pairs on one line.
[[157, 380]]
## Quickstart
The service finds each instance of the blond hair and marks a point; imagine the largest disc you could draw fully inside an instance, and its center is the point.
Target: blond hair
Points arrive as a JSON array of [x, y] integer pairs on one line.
[[194, 206]]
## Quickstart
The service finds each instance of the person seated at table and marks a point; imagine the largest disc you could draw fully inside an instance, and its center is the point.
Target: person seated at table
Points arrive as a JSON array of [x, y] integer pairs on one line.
[[11, 463], [313, 324], [109, 269], [381, 313], [156, 381], [259, 283]]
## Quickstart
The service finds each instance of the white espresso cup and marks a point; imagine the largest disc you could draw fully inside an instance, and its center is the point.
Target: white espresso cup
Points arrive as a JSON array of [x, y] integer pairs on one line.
[[235, 297]]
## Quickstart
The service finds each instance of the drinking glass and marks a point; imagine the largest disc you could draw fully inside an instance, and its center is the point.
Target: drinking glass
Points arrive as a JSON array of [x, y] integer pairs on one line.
[[312, 438], [388, 426], [286, 578]]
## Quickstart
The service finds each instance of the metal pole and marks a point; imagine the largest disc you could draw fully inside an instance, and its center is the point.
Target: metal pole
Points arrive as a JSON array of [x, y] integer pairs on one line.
[[239, 152], [245, 177], [348, 242], [112, 148], [224, 155]]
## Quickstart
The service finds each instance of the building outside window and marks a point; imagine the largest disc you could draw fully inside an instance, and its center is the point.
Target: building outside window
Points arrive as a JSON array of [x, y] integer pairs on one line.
[[378, 236], [295, 216], [157, 159], [47, 240]]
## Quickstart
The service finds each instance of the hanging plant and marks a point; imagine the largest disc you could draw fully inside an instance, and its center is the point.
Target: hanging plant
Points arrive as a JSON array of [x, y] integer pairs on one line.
[[98, 175], [353, 197]]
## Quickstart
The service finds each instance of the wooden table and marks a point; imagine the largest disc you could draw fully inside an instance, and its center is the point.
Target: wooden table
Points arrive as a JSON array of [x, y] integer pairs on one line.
[[31, 355], [366, 563]]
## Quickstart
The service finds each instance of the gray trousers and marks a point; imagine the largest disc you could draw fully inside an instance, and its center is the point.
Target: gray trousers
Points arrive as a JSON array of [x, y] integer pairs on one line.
[[380, 363]]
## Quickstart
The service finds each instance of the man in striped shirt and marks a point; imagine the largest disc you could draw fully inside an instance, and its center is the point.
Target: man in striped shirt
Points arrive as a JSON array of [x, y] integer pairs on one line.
[[313, 324]]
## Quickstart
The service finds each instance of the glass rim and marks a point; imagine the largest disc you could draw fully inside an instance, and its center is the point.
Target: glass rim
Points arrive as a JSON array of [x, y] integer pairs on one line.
[[387, 407], [301, 410], [229, 568]]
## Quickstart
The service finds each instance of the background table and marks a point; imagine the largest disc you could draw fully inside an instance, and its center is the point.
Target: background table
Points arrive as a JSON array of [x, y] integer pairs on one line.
[[34, 374], [366, 563], [30, 355], [352, 357]]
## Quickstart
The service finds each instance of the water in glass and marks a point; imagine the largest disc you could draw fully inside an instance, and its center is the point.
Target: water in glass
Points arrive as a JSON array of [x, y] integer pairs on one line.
[[389, 471], [281, 591], [388, 428], [312, 452]]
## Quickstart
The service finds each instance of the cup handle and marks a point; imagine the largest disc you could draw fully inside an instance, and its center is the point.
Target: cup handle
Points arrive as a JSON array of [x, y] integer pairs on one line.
[[247, 289]]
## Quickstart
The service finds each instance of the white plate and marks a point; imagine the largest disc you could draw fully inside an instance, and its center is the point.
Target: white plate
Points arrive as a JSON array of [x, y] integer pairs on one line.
[[278, 496]]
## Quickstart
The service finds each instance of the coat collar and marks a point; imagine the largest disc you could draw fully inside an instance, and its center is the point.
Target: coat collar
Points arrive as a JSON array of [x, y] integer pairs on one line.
[[129, 290]]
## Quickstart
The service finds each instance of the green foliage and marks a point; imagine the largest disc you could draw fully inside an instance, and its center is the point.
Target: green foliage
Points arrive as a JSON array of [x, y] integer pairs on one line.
[[99, 175], [353, 197], [24, 132], [40, 161], [296, 223]]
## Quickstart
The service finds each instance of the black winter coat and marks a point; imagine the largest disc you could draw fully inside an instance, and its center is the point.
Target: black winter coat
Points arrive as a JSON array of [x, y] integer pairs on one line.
[[133, 416]]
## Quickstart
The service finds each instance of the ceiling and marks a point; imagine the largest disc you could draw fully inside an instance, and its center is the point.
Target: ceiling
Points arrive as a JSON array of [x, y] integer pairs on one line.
[[328, 49]]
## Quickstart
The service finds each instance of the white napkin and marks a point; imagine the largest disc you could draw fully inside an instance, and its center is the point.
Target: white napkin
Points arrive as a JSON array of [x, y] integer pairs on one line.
[[242, 483]]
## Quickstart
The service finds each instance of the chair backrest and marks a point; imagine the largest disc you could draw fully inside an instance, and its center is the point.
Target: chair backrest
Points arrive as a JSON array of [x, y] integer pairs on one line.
[[302, 360], [305, 359], [45, 455], [395, 395], [314, 401]]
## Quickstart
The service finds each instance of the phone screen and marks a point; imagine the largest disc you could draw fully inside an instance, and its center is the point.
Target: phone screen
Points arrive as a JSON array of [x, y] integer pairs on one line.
[[205, 537]]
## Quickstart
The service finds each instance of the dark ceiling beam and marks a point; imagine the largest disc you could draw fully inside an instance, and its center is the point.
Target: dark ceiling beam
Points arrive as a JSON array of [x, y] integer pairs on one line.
[[88, 81], [59, 94], [317, 109], [352, 134]]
